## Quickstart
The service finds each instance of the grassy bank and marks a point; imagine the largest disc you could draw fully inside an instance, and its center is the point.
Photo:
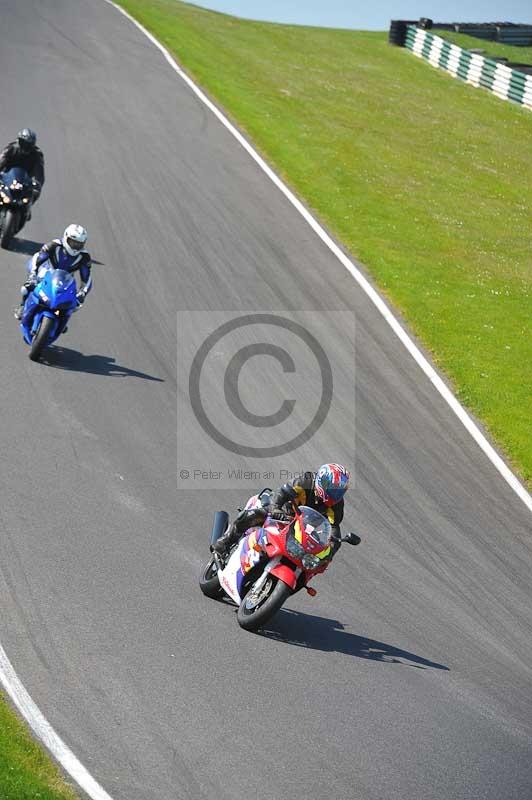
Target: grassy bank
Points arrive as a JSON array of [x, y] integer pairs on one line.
[[26, 772], [425, 179], [521, 55]]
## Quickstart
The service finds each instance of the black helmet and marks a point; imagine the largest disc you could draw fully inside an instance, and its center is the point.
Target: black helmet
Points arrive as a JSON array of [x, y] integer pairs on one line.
[[26, 139]]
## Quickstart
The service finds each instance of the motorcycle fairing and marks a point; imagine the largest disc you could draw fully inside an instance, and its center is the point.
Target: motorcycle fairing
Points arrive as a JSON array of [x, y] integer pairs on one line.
[[251, 550], [286, 574], [244, 557], [57, 289], [17, 193], [15, 175], [31, 317], [270, 544], [16, 183]]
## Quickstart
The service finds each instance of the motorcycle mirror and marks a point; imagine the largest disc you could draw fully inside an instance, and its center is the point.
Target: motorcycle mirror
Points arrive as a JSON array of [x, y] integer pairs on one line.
[[351, 538]]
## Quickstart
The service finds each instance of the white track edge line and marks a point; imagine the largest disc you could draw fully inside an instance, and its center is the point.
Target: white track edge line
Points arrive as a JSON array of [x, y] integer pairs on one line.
[[379, 303], [44, 731]]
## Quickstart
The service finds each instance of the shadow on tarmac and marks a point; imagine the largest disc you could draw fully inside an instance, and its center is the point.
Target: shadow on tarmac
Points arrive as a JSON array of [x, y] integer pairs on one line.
[[28, 247], [25, 246], [74, 361], [329, 635]]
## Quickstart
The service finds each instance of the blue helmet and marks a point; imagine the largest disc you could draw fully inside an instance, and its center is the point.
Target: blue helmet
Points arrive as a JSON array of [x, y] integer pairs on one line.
[[330, 483]]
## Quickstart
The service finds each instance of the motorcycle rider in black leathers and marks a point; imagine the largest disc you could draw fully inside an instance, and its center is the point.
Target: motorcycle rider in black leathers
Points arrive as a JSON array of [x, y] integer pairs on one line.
[[24, 153], [322, 490]]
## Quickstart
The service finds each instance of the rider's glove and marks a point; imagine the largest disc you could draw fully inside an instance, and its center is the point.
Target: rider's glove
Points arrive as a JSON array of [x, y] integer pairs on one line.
[[80, 297], [277, 513]]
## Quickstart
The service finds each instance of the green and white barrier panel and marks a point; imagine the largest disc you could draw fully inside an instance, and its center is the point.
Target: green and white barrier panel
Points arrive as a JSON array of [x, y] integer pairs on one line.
[[506, 83]]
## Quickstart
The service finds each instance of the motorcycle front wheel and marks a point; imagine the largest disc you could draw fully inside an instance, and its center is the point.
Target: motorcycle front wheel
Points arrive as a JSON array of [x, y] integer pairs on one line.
[[41, 338], [209, 583], [257, 608], [8, 224]]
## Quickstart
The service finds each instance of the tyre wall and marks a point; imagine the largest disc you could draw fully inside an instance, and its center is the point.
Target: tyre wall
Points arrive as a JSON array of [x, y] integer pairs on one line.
[[503, 81]]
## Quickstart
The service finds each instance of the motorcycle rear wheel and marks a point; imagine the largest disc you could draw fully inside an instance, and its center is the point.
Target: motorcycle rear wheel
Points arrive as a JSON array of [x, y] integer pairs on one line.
[[209, 583], [9, 225], [40, 339], [256, 611]]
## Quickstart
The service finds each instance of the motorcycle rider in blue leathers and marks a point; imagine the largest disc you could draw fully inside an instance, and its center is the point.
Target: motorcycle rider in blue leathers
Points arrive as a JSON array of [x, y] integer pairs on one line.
[[67, 253]]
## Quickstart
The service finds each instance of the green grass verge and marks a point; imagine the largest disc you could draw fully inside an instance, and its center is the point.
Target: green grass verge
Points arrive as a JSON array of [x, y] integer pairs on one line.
[[521, 55], [427, 180], [26, 772]]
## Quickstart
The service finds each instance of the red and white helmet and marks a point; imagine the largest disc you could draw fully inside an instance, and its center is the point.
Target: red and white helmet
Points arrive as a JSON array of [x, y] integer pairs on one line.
[[74, 239], [330, 483]]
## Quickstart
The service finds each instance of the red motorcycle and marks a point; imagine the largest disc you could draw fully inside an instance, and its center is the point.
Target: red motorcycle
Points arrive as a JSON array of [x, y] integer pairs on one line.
[[269, 563]]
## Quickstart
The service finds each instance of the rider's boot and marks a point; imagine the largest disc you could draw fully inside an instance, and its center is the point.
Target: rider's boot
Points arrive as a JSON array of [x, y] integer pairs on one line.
[[24, 291], [246, 519], [223, 544]]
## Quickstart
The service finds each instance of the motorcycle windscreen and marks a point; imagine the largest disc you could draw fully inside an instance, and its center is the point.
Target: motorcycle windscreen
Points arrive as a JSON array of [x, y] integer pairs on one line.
[[45, 267], [312, 530], [59, 287]]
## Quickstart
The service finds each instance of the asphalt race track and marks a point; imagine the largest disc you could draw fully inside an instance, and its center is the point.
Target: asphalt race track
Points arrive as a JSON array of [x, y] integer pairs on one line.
[[409, 675]]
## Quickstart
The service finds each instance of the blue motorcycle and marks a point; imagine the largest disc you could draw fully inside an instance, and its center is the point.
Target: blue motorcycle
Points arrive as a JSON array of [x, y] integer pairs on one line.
[[48, 308]]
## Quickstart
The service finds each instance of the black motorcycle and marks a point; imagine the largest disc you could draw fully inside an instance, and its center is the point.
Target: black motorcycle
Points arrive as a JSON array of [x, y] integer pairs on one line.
[[16, 196]]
